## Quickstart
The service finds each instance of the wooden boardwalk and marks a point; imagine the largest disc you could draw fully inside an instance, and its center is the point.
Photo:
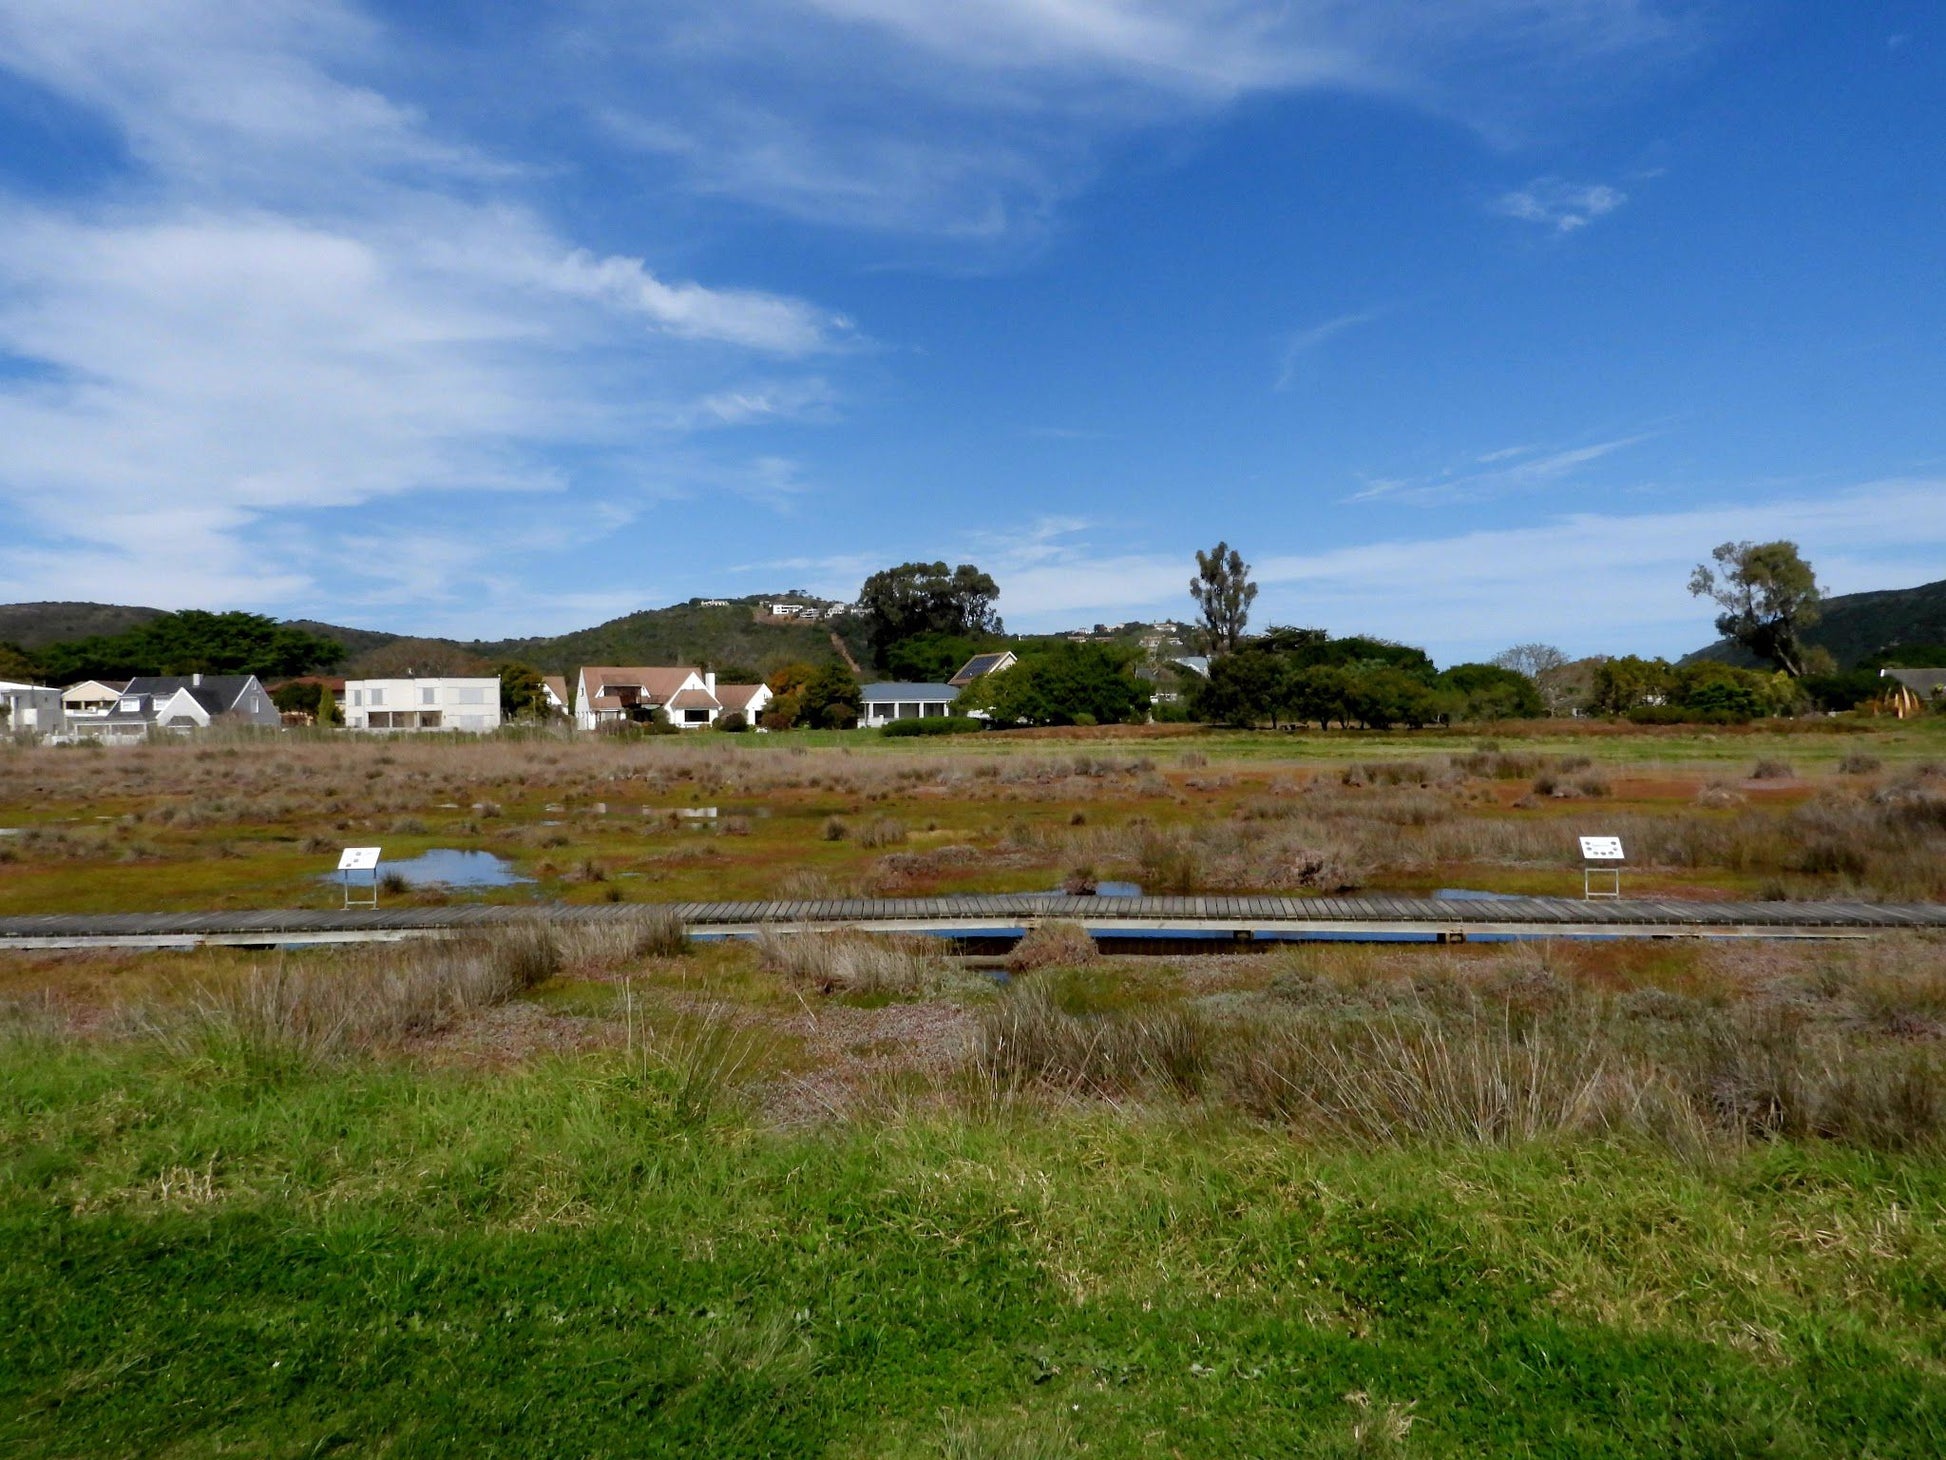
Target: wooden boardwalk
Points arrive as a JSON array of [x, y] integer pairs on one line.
[[1115, 918]]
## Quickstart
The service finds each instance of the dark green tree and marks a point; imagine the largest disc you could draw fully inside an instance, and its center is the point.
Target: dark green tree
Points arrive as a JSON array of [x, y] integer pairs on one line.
[[1490, 692], [1223, 593], [522, 695], [1068, 684], [193, 642], [1768, 595], [1243, 689], [18, 665], [918, 599], [1628, 682], [829, 699]]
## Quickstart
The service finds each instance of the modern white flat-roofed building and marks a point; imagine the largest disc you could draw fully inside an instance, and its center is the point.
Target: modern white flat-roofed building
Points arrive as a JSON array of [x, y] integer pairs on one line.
[[423, 702], [882, 702], [30, 710]]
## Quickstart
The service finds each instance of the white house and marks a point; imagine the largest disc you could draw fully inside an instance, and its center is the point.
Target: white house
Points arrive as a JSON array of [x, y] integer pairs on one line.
[[879, 703], [30, 709], [423, 702], [606, 694], [747, 700], [554, 689], [180, 703]]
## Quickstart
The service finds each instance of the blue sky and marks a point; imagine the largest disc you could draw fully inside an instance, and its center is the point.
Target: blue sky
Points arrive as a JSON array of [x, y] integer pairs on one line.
[[1470, 323]]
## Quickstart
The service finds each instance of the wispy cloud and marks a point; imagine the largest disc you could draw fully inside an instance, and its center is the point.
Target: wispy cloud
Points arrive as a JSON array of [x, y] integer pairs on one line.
[[1300, 347], [298, 298], [1591, 582], [1509, 470], [1560, 207], [981, 118]]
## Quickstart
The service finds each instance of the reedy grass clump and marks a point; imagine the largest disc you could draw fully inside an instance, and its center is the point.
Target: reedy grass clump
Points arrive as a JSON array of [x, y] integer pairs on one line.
[[311, 1008], [853, 963], [1506, 1055]]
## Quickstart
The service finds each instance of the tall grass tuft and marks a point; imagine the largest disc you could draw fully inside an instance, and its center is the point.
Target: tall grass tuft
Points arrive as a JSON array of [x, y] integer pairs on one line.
[[312, 1008], [1055, 943], [1025, 1040], [700, 1064], [855, 963]]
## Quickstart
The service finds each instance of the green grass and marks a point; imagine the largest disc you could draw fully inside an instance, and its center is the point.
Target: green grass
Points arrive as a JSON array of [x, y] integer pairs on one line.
[[371, 1258]]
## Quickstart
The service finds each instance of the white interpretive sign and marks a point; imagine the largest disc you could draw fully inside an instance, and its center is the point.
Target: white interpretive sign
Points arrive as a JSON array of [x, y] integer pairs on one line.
[[1601, 855], [359, 859]]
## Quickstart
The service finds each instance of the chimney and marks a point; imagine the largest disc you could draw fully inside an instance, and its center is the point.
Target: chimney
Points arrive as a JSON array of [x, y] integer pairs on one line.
[[709, 681], [196, 680]]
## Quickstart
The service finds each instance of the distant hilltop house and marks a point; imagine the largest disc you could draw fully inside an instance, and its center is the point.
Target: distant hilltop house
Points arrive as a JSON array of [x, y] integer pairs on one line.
[[1915, 690], [180, 704], [419, 703], [880, 703], [691, 699]]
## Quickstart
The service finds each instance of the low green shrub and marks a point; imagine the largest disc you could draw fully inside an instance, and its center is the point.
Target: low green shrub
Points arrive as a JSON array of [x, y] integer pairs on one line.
[[932, 725]]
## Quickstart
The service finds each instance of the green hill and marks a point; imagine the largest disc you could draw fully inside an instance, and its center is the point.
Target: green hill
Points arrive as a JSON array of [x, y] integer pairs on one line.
[[684, 633], [717, 636], [31, 625], [1856, 626]]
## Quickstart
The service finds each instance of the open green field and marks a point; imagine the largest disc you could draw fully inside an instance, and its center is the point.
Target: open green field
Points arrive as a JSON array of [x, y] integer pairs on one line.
[[1838, 808], [594, 1192], [842, 1198]]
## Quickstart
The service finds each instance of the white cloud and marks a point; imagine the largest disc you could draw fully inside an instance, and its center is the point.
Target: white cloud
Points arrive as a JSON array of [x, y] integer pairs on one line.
[[979, 118], [1510, 470], [1590, 582], [1562, 207], [1305, 343], [298, 300]]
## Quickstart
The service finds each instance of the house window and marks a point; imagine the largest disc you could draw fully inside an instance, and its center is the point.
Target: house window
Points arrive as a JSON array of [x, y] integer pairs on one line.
[[910, 710], [427, 696], [429, 719], [472, 697], [358, 697], [377, 697], [695, 717]]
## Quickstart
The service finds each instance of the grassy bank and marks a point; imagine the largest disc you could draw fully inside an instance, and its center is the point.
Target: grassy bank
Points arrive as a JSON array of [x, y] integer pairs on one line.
[[378, 1260], [614, 1199]]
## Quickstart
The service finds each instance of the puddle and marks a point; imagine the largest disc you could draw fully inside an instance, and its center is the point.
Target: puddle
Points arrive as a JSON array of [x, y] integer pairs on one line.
[[1473, 894], [449, 867]]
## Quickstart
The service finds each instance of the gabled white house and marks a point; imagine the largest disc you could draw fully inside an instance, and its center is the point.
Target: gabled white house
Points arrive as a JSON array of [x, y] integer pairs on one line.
[[181, 703], [423, 703], [554, 689], [981, 665], [747, 700], [606, 694]]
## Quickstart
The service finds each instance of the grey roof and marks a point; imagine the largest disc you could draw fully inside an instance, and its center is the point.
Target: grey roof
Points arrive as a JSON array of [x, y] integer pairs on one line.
[[872, 693], [1925, 682], [217, 693], [1195, 663]]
